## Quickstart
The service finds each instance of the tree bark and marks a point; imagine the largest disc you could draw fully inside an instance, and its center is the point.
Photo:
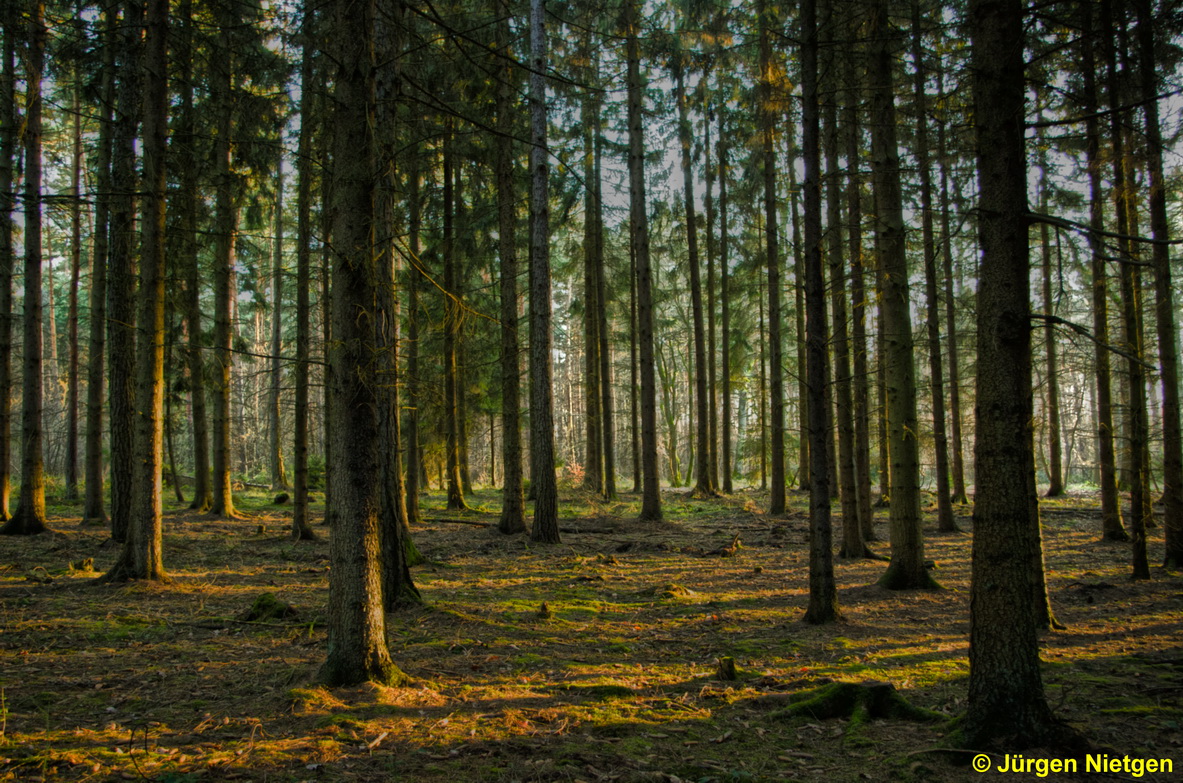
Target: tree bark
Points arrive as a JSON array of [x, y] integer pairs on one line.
[[546, 511], [945, 522], [357, 649], [607, 404], [1111, 524], [593, 476], [1164, 295], [73, 377], [776, 395], [703, 486], [29, 517], [725, 303], [639, 228], [142, 554], [906, 569], [452, 390], [279, 479], [8, 140], [1006, 705], [823, 591]]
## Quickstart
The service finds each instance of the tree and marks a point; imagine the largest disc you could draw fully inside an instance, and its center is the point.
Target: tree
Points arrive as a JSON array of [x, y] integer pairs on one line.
[[906, 569], [639, 231], [142, 557], [823, 591], [8, 139], [357, 649], [301, 530], [29, 517], [513, 501], [279, 479], [772, 260], [1007, 707], [546, 512]]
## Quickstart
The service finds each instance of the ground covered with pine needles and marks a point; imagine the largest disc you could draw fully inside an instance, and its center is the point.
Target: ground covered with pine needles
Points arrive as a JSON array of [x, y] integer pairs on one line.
[[596, 660]]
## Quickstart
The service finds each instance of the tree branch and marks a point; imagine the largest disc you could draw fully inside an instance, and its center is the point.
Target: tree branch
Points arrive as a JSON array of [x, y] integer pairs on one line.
[[1055, 319]]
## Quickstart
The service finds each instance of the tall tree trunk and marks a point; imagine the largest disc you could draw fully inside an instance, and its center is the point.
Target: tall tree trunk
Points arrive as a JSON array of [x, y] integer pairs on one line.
[[452, 390], [513, 502], [803, 467], [414, 398], [121, 273], [945, 522], [725, 303], [357, 649], [776, 503], [702, 465], [546, 501], [8, 140], [712, 370], [142, 555], [186, 204], [852, 529], [639, 228], [279, 479], [1111, 524], [906, 569], [607, 404], [823, 591], [1164, 294], [1006, 705], [1131, 309], [72, 374], [959, 495], [225, 240], [593, 476], [634, 364], [1055, 458], [858, 295], [301, 528], [29, 517]]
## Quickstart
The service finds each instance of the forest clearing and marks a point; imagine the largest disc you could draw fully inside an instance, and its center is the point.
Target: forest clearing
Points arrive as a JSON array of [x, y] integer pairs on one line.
[[616, 679]]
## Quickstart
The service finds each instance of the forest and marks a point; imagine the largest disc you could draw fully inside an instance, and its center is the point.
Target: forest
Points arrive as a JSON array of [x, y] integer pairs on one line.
[[671, 391]]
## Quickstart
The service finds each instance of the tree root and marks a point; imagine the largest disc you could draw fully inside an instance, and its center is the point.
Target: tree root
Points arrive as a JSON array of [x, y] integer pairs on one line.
[[862, 702]]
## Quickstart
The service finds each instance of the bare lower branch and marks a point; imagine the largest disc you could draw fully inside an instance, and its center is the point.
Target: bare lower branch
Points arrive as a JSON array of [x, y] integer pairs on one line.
[[1058, 321]]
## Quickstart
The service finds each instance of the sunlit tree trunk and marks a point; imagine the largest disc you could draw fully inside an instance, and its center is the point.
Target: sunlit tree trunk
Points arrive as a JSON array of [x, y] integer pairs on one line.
[[72, 360], [725, 303], [357, 649], [945, 522], [8, 141], [607, 402], [1006, 705], [1111, 524], [1164, 293], [142, 555], [279, 479], [546, 512], [639, 227], [906, 569], [593, 477], [823, 591], [29, 517]]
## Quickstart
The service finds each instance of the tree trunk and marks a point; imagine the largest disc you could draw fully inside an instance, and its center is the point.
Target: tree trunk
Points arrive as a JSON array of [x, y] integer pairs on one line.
[[513, 502], [279, 479], [357, 649], [8, 140], [1111, 524], [1164, 295], [959, 495], [712, 370], [776, 397], [142, 555], [858, 296], [546, 501], [72, 375], [1131, 310], [593, 476], [639, 228], [852, 529], [301, 528], [1006, 705], [1055, 458], [121, 272], [226, 235], [415, 468], [945, 522], [29, 517], [452, 421], [725, 303], [803, 469], [702, 466], [607, 406], [823, 591], [906, 569]]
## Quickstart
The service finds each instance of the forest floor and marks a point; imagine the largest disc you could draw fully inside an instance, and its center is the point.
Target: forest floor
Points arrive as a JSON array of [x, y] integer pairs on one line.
[[615, 680]]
